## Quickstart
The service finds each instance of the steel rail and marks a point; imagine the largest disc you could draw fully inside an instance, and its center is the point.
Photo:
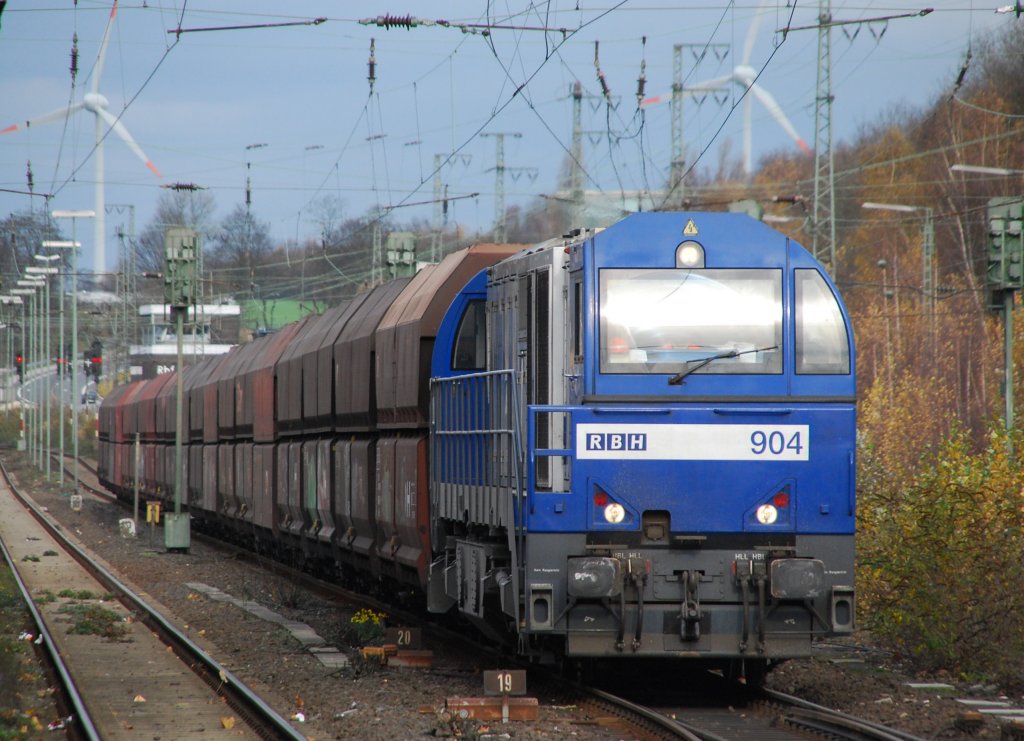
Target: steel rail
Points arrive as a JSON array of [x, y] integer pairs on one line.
[[799, 713], [235, 690], [820, 713], [82, 719], [675, 727]]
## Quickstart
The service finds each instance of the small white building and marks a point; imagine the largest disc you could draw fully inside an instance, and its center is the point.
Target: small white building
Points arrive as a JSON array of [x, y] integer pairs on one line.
[[209, 329]]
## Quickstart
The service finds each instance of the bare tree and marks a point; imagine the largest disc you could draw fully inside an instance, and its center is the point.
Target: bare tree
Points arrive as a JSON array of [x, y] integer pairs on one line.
[[241, 240], [21, 236]]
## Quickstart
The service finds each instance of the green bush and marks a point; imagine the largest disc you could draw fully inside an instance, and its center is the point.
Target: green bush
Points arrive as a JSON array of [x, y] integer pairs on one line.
[[940, 568]]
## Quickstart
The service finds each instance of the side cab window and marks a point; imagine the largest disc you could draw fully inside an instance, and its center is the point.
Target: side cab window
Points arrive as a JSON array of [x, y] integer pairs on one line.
[[822, 344], [469, 352]]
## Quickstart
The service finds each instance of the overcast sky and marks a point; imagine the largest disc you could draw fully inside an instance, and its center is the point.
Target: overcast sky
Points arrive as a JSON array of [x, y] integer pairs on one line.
[[199, 103]]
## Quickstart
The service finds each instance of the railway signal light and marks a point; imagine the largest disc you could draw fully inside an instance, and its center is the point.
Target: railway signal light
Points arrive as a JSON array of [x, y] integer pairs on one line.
[[95, 357], [1004, 271], [19, 364]]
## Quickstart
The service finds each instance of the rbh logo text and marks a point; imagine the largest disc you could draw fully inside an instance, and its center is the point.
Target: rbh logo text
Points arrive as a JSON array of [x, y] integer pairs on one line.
[[616, 441]]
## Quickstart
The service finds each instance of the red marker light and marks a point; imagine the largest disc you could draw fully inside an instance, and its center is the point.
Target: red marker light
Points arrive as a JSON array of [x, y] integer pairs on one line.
[[600, 498], [781, 500]]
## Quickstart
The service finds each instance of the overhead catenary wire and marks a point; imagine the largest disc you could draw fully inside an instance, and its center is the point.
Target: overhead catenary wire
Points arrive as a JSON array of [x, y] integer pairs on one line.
[[499, 109]]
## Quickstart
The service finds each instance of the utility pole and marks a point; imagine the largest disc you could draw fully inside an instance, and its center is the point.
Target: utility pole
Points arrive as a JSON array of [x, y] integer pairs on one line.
[[500, 228], [440, 211], [823, 227], [248, 213], [576, 166], [377, 256], [678, 164], [928, 265], [823, 242], [499, 184], [577, 195], [437, 240], [125, 286], [441, 160]]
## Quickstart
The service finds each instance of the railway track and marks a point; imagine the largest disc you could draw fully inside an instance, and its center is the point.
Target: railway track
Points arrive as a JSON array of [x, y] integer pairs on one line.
[[159, 682], [767, 716], [76, 719]]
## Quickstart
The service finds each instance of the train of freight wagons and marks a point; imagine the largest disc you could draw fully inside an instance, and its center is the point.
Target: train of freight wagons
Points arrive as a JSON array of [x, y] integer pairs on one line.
[[636, 441]]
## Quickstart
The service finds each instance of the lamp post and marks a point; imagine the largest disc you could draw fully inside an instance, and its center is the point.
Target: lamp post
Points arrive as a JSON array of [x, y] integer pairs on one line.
[[42, 352], [48, 344], [32, 358], [20, 293], [61, 244], [927, 248], [927, 257], [74, 216], [28, 348], [248, 207], [38, 355], [9, 300]]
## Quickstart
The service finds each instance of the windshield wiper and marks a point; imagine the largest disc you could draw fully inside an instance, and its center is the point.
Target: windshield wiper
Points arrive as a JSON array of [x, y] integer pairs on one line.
[[678, 377]]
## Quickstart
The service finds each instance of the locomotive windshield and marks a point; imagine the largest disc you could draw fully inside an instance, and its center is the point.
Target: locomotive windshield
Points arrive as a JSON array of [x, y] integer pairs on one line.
[[660, 320]]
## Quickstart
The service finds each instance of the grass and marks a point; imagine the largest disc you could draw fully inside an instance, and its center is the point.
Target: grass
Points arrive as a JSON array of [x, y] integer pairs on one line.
[[90, 619], [81, 594]]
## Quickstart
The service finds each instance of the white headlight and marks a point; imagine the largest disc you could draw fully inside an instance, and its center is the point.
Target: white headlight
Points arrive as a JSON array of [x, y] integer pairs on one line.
[[614, 513], [767, 514], [689, 255]]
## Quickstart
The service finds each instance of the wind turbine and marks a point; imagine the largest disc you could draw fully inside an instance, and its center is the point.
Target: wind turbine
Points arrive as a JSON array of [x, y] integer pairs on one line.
[[96, 103], [744, 75]]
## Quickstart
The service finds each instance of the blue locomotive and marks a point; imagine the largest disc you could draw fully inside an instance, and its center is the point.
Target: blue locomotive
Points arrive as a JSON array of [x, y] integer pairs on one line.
[[636, 441], [657, 458]]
